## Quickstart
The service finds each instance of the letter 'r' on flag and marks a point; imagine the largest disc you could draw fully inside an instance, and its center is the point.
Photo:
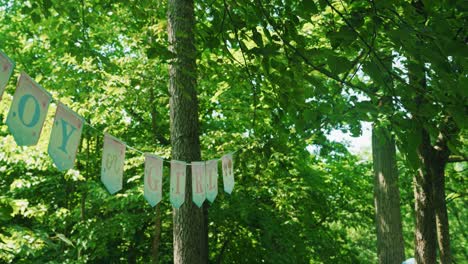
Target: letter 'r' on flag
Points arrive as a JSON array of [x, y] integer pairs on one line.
[[211, 180], [198, 183], [28, 111], [178, 176], [153, 179], [113, 159], [65, 137], [228, 173], [6, 69]]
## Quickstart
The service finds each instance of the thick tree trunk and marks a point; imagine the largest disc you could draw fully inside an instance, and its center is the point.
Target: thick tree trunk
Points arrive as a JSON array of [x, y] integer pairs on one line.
[[390, 244], [190, 232], [443, 235]]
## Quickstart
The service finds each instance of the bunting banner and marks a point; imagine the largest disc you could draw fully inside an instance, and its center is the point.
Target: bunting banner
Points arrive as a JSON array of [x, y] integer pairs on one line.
[[153, 179], [228, 173], [211, 180], [65, 137], [178, 176], [28, 111], [113, 159], [198, 183], [6, 69]]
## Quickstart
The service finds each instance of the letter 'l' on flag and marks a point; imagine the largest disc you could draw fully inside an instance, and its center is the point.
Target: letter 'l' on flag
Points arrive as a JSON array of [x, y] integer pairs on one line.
[[28, 111], [65, 137], [178, 176], [228, 173], [198, 183], [113, 159], [6, 69], [211, 180], [153, 179]]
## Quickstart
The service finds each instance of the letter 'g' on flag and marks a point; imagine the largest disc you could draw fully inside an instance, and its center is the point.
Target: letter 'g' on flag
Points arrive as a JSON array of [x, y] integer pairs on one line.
[[113, 159], [153, 179], [6, 69], [228, 173], [198, 183], [65, 137], [178, 176], [28, 111], [211, 180]]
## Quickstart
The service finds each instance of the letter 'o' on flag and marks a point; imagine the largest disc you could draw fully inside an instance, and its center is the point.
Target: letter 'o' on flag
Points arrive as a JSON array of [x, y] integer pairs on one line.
[[178, 176], [28, 111], [198, 183], [65, 137], [228, 173], [211, 180], [113, 159], [6, 69], [153, 179]]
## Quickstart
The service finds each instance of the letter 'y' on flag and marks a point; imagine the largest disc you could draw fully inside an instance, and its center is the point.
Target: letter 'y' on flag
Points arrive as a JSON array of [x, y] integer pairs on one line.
[[113, 159], [153, 179], [65, 137], [228, 173], [28, 111], [178, 176], [6, 69], [198, 183], [211, 180]]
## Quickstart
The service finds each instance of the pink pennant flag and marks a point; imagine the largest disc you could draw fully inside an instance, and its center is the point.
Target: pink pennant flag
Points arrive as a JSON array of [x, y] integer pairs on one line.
[[228, 173], [6, 69], [153, 179], [178, 176], [113, 159], [65, 137], [28, 111], [198, 183], [211, 180]]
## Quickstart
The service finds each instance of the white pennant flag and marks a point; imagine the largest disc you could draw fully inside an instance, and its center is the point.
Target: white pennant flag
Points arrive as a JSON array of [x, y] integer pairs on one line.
[[153, 179], [211, 180], [113, 159], [198, 183], [6, 69], [178, 176], [228, 173]]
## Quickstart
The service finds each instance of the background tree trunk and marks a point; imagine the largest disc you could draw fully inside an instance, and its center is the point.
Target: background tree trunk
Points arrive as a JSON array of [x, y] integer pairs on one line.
[[189, 225], [390, 244]]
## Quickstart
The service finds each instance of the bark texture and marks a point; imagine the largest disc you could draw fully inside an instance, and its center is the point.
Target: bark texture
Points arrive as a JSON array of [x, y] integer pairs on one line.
[[190, 234], [390, 244]]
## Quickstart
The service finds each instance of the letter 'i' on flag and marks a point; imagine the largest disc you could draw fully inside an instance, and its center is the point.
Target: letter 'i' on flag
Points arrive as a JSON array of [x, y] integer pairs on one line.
[[211, 180], [178, 176], [228, 173], [113, 159], [198, 183], [65, 137], [28, 111], [153, 179], [6, 69]]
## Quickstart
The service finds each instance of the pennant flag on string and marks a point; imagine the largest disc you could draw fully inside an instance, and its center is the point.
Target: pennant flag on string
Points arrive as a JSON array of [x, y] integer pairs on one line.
[[28, 111], [228, 173], [65, 137], [178, 176], [153, 179], [6, 69], [211, 180], [198, 183], [113, 159]]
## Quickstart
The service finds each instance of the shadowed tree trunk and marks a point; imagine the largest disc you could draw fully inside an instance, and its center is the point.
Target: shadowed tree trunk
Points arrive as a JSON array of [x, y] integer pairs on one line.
[[390, 244], [190, 234]]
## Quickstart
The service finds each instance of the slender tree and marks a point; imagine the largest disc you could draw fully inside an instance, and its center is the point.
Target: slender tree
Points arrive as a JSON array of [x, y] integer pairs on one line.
[[190, 234]]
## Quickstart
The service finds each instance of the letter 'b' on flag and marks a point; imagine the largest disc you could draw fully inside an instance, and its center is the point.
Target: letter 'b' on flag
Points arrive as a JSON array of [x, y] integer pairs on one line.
[[28, 111], [6, 69], [113, 159], [65, 137], [198, 183], [178, 176], [228, 173], [153, 179]]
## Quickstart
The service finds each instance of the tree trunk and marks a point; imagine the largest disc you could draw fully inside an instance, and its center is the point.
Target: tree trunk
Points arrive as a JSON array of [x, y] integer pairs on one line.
[[390, 244], [443, 235], [157, 236], [190, 234]]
